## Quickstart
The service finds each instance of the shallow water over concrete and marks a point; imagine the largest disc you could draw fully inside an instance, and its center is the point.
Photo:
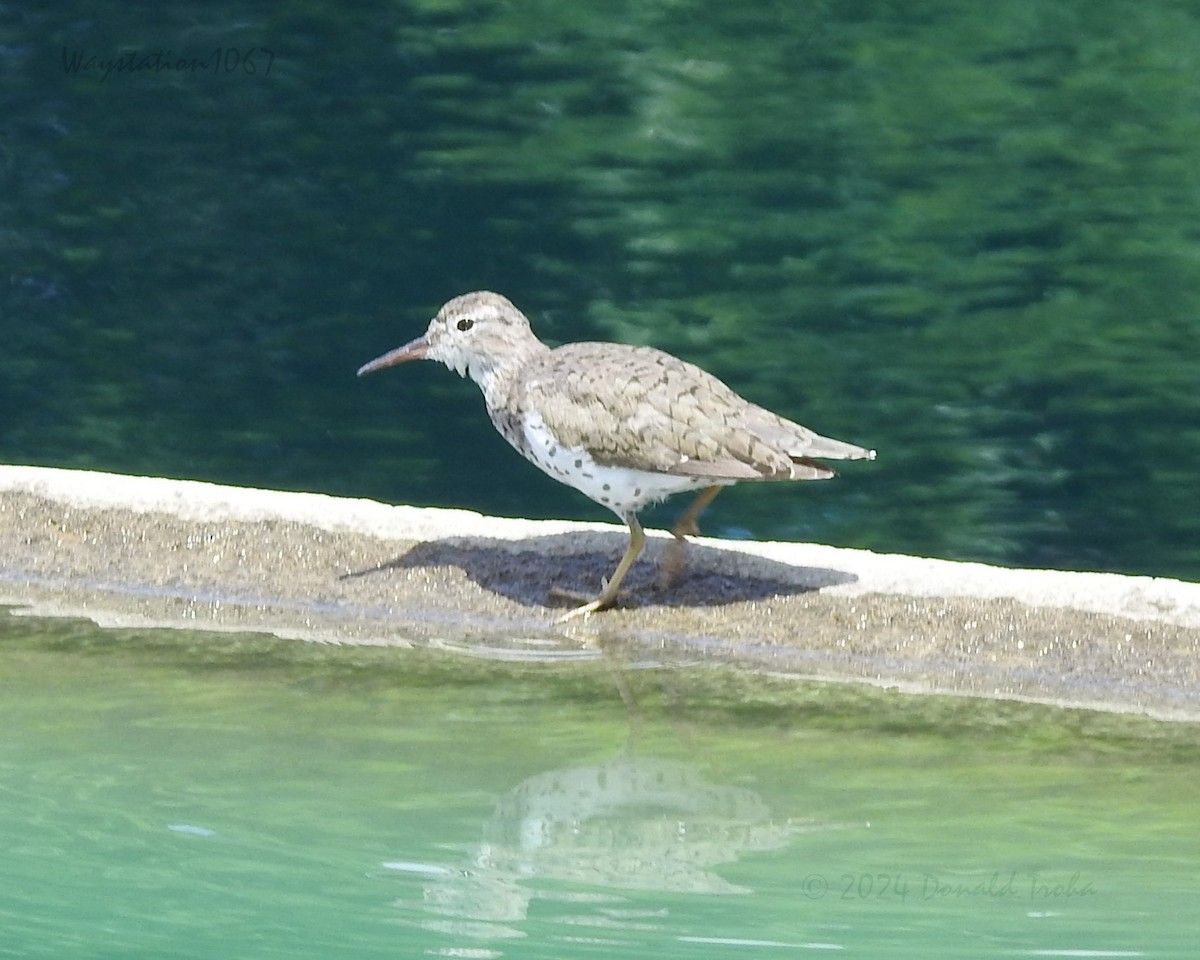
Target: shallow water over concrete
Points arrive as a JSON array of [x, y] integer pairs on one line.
[[152, 552]]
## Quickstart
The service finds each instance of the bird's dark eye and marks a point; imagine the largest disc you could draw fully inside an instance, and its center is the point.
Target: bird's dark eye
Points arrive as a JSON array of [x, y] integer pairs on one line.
[[466, 323]]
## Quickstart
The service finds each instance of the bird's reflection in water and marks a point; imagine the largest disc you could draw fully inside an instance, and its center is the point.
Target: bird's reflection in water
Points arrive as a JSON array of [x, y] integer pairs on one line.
[[624, 825], [590, 835]]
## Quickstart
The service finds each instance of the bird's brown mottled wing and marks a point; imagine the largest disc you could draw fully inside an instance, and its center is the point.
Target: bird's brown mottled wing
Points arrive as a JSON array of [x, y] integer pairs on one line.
[[641, 408]]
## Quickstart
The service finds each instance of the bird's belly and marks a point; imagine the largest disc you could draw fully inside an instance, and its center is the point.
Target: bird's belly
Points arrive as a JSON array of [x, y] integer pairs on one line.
[[622, 489]]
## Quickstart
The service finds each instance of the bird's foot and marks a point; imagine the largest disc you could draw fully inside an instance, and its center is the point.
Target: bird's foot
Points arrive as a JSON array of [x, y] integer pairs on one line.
[[590, 604], [561, 595], [585, 611]]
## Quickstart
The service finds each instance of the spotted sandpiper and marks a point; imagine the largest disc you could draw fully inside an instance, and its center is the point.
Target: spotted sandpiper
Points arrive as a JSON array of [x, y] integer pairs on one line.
[[627, 426]]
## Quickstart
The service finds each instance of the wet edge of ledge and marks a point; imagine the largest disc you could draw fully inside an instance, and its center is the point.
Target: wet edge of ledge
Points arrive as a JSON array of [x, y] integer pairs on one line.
[[134, 551]]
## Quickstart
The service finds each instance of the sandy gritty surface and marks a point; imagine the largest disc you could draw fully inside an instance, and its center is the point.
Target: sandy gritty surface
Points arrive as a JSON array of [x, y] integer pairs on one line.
[[145, 551]]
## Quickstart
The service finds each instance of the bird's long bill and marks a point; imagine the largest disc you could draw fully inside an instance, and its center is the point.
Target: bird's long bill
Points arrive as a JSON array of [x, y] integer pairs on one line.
[[413, 350]]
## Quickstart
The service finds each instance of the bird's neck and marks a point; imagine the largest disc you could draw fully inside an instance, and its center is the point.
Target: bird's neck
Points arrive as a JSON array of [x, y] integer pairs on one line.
[[497, 375]]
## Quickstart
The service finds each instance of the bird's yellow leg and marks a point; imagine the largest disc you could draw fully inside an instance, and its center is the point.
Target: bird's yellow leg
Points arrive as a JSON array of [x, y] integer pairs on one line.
[[609, 587], [671, 565]]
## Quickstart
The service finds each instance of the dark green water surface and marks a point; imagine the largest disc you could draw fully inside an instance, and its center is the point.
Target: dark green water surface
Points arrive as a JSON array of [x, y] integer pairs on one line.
[[207, 796], [964, 234]]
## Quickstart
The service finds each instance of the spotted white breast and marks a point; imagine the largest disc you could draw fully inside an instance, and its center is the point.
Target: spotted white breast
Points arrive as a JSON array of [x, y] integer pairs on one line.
[[622, 489]]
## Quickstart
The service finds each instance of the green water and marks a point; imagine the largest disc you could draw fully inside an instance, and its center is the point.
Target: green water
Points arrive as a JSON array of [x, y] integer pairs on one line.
[[963, 234], [207, 796]]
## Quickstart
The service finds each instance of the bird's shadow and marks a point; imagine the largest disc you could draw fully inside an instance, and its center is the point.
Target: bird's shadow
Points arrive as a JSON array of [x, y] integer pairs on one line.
[[531, 570]]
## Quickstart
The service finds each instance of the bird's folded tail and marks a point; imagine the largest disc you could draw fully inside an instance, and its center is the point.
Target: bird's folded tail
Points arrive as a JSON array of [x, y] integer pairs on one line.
[[818, 446], [805, 468]]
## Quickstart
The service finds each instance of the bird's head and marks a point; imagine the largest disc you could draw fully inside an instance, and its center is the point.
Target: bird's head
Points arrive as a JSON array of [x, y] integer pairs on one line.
[[473, 335]]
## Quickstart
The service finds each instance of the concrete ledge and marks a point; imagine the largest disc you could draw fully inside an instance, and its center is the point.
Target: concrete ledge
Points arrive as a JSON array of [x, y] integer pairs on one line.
[[144, 551]]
